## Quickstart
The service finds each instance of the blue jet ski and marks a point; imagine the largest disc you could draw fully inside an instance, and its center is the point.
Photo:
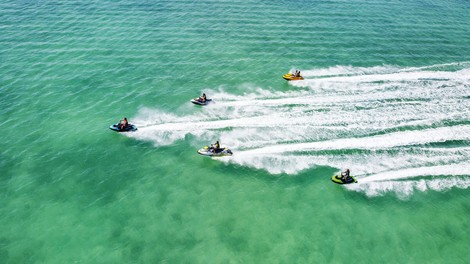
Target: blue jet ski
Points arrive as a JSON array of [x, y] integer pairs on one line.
[[128, 128], [198, 101]]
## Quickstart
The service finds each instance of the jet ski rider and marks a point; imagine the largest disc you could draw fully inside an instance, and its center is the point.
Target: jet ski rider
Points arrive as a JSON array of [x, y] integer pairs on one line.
[[215, 147], [345, 175], [202, 98], [297, 73], [123, 124]]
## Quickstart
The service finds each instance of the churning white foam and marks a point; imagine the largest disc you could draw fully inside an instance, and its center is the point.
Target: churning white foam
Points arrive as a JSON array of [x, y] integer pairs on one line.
[[403, 182]]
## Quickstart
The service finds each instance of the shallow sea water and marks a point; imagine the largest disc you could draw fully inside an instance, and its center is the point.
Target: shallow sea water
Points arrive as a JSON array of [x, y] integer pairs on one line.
[[386, 94]]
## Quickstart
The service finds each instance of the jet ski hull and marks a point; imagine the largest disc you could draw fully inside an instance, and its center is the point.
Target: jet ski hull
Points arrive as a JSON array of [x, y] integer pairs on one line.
[[337, 179], [291, 77], [128, 128], [196, 101], [206, 151]]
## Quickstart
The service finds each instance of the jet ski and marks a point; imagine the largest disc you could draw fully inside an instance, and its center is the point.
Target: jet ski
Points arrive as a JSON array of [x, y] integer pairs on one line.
[[128, 128], [211, 152], [200, 102], [291, 77], [338, 179]]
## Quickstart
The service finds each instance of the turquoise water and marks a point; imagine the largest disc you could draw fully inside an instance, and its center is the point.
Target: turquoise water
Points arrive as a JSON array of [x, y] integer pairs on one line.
[[386, 94]]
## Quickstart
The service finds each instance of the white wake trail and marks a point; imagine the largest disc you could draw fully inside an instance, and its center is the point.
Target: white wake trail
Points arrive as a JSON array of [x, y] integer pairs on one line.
[[438, 170], [403, 182], [396, 139]]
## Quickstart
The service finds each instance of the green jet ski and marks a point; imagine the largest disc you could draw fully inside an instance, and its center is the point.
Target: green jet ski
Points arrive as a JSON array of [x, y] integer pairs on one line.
[[338, 179]]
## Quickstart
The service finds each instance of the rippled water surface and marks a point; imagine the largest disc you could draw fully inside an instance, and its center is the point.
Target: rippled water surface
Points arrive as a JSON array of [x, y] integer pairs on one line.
[[386, 93]]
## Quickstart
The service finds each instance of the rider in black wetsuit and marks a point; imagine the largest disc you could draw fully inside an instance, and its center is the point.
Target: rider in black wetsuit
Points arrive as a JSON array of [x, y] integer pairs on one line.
[[202, 98], [215, 147], [345, 175], [123, 124]]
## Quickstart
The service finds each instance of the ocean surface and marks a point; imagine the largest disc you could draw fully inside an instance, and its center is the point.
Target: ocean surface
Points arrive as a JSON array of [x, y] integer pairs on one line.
[[386, 94]]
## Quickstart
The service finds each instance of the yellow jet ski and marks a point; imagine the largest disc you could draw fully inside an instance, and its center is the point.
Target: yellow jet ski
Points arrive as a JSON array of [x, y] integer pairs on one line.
[[338, 179], [291, 77]]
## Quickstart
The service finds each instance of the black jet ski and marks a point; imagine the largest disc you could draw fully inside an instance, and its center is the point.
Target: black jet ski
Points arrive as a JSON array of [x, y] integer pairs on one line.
[[212, 152], [339, 180], [128, 128], [198, 101]]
